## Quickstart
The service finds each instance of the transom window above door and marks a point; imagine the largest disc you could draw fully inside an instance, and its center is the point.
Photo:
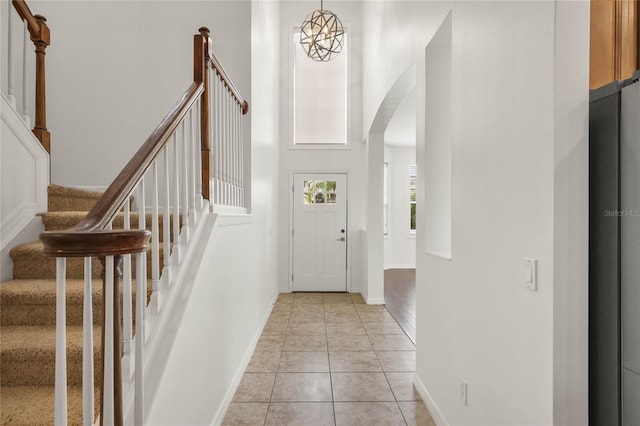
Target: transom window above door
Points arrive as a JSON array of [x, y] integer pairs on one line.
[[320, 106]]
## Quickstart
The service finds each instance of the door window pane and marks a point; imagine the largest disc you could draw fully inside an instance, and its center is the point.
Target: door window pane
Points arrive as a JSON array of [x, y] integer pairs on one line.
[[319, 192]]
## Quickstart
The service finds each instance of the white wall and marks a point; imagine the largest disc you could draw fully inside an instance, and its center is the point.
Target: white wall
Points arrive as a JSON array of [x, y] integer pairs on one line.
[[519, 189], [350, 160], [236, 282], [114, 69], [24, 177], [396, 32], [399, 243], [571, 220]]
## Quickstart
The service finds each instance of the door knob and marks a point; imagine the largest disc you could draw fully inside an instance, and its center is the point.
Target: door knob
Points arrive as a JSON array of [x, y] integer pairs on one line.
[[342, 239]]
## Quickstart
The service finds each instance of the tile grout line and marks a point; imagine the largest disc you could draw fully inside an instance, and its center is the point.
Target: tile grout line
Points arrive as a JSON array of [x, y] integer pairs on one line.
[[326, 350], [333, 400]]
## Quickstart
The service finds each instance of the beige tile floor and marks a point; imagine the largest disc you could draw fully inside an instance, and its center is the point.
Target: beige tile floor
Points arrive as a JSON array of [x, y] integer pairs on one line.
[[329, 359]]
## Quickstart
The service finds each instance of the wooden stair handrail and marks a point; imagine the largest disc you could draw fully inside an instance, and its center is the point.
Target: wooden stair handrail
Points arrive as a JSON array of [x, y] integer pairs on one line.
[[215, 63], [41, 38], [35, 28], [101, 243], [68, 242]]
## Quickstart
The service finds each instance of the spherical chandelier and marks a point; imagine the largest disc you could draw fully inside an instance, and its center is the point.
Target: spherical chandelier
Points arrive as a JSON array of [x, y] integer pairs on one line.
[[321, 35]]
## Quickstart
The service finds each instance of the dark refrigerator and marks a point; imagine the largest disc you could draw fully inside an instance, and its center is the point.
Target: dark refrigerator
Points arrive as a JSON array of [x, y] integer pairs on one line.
[[614, 254]]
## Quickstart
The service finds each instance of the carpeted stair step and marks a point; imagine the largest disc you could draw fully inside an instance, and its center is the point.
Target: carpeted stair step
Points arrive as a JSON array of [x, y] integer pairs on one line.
[[27, 355], [61, 198], [33, 405], [33, 302], [27, 318], [58, 221], [30, 263]]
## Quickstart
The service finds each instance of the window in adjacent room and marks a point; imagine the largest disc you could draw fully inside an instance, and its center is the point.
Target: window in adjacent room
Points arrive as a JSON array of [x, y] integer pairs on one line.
[[385, 199], [412, 198]]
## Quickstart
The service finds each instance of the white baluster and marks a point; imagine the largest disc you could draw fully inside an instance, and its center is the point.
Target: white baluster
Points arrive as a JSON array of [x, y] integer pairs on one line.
[[127, 314], [198, 144], [25, 98], [176, 200], [239, 142], [212, 133], [192, 170], [216, 138], [231, 147], [223, 145], [232, 109], [242, 161], [166, 220], [185, 185], [10, 75], [236, 167], [60, 410], [141, 299], [155, 241], [232, 159], [142, 224], [108, 348], [227, 149], [87, 347], [217, 172]]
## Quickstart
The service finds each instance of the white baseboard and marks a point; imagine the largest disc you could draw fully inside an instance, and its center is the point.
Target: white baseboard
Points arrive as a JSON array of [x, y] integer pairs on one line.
[[357, 290], [433, 408], [367, 299], [400, 267], [237, 378]]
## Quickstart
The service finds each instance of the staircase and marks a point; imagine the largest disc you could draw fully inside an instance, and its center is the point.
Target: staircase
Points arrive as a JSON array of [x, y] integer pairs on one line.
[[183, 171], [28, 315]]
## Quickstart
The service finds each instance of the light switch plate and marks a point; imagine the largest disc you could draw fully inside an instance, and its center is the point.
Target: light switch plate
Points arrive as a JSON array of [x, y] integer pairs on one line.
[[463, 392], [530, 274]]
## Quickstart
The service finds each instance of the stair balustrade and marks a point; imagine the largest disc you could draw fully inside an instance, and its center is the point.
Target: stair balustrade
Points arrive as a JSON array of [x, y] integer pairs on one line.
[[23, 30], [226, 110], [169, 175]]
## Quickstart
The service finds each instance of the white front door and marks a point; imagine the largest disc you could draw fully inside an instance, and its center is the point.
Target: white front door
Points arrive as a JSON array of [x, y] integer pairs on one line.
[[319, 232]]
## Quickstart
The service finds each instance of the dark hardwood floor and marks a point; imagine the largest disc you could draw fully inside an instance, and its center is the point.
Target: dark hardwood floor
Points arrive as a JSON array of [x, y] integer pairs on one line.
[[400, 298]]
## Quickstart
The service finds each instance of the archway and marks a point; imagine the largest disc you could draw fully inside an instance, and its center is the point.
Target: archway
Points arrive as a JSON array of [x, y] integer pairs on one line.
[[375, 170]]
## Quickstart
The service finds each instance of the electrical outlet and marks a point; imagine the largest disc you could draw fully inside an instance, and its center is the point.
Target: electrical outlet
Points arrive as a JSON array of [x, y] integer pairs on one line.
[[463, 392]]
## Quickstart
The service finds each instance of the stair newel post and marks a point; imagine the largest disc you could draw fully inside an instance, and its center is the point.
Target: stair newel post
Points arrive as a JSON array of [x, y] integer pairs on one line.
[[41, 41], [111, 394], [202, 47]]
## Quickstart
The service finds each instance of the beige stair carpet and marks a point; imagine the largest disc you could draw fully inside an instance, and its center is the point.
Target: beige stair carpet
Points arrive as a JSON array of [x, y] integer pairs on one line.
[[28, 315]]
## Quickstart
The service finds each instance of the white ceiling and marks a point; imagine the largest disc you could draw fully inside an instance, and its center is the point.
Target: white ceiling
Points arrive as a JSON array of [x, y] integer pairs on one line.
[[402, 127]]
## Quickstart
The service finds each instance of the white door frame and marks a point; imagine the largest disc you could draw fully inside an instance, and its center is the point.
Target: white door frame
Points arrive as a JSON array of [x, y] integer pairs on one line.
[[293, 172]]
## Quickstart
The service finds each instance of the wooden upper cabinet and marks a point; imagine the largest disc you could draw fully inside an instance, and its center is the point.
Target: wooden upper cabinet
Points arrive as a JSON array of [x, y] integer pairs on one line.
[[614, 41]]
